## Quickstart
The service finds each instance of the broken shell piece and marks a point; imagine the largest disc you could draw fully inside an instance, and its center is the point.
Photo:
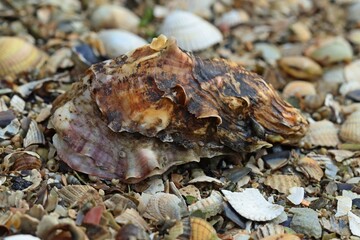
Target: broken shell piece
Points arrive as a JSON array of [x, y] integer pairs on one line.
[[162, 206], [296, 195], [190, 190], [113, 16], [310, 168], [118, 204], [17, 103], [252, 205], [19, 56], [321, 133], [300, 67], [34, 135], [350, 129], [191, 32], [21, 237], [354, 223], [75, 195], [268, 230], [132, 216], [282, 183], [22, 160], [284, 236], [209, 206], [344, 205], [117, 42]]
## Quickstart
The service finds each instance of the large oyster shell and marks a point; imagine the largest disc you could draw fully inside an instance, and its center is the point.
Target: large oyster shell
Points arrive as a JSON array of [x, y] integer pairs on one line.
[[158, 106]]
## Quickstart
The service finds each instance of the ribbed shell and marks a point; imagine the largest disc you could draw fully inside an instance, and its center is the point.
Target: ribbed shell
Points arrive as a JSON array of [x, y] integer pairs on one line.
[[322, 133], [18, 56], [191, 32], [350, 129]]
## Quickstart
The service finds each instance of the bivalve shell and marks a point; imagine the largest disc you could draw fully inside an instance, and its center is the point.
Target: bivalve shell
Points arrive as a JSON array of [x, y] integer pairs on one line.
[[233, 18], [22, 160], [162, 206], [252, 205], [191, 32], [331, 50], [113, 16], [350, 129], [299, 89], [118, 42], [310, 168], [282, 183], [202, 230], [74, 194], [18, 56], [321, 133], [300, 67]]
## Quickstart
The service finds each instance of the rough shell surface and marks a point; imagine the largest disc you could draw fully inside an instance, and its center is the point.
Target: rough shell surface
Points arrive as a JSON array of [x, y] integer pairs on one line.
[[18, 56], [202, 230], [118, 42], [162, 206], [191, 32], [321, 133], [113, 16], [209, 206], [310, 168], [252, 205], [159, 106], [282, 183], [350, 129], [269, 230]]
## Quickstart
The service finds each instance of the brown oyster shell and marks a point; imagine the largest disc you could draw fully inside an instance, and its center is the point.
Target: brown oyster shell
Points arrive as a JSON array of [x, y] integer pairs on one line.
[[157, 106]]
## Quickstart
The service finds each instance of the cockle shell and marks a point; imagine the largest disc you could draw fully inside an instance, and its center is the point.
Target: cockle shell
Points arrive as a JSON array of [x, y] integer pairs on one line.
[[191, 32], [282, 183], [350, 129], [162, 206], [139, 114], [18, 56]]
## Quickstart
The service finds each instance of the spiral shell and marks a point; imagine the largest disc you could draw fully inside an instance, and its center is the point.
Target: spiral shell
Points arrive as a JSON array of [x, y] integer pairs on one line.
[[18, 56], [159, 106], [191, 32]]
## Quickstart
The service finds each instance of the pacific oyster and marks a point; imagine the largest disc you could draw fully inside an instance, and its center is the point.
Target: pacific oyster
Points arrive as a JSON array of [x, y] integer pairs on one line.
[[139, 114]]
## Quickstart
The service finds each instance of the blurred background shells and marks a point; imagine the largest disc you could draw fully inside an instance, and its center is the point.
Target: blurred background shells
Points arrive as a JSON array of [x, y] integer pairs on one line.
[[114, 16], [232, 18], [299, 89], [117, 42], [18, 56], [300, 67], [191, 32]]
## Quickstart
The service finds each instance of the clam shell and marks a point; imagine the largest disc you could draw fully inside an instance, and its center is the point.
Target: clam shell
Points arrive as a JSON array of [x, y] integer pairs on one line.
[[321, 133], [114, 16], [300, 67], [252, 205], [232, 18], [209, 206], [191, 32], [22, 160], [162, 206], [19, 56], [282, 183], [310, 168], [202, 230], [350, 129], [299, 89], [352, 71], [118, 42], [331, 50]]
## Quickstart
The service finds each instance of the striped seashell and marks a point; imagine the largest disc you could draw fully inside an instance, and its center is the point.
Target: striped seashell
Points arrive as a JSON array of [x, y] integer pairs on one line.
[[350, 129], [252, 205], [310, 168], [191, 32], [282, 183], [162, 206], [19, 56], [210, 206], [267, 230], [113, 16], [322, 133], [117, 42]]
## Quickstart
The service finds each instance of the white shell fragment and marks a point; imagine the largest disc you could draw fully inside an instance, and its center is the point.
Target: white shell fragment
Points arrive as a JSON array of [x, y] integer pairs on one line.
[[252, 205], [118, 42], [344, 205], [191, 32], [354, 223], [296, 195]]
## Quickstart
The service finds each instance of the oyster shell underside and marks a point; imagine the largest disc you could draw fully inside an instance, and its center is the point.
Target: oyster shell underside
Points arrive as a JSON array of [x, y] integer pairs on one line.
[[139, 114]]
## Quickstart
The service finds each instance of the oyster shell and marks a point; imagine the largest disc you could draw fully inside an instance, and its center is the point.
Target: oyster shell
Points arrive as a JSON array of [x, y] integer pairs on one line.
[[155, 107]]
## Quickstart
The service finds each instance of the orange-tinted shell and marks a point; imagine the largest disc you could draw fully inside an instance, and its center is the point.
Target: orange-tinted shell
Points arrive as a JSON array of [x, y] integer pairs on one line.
[[158, 106]]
